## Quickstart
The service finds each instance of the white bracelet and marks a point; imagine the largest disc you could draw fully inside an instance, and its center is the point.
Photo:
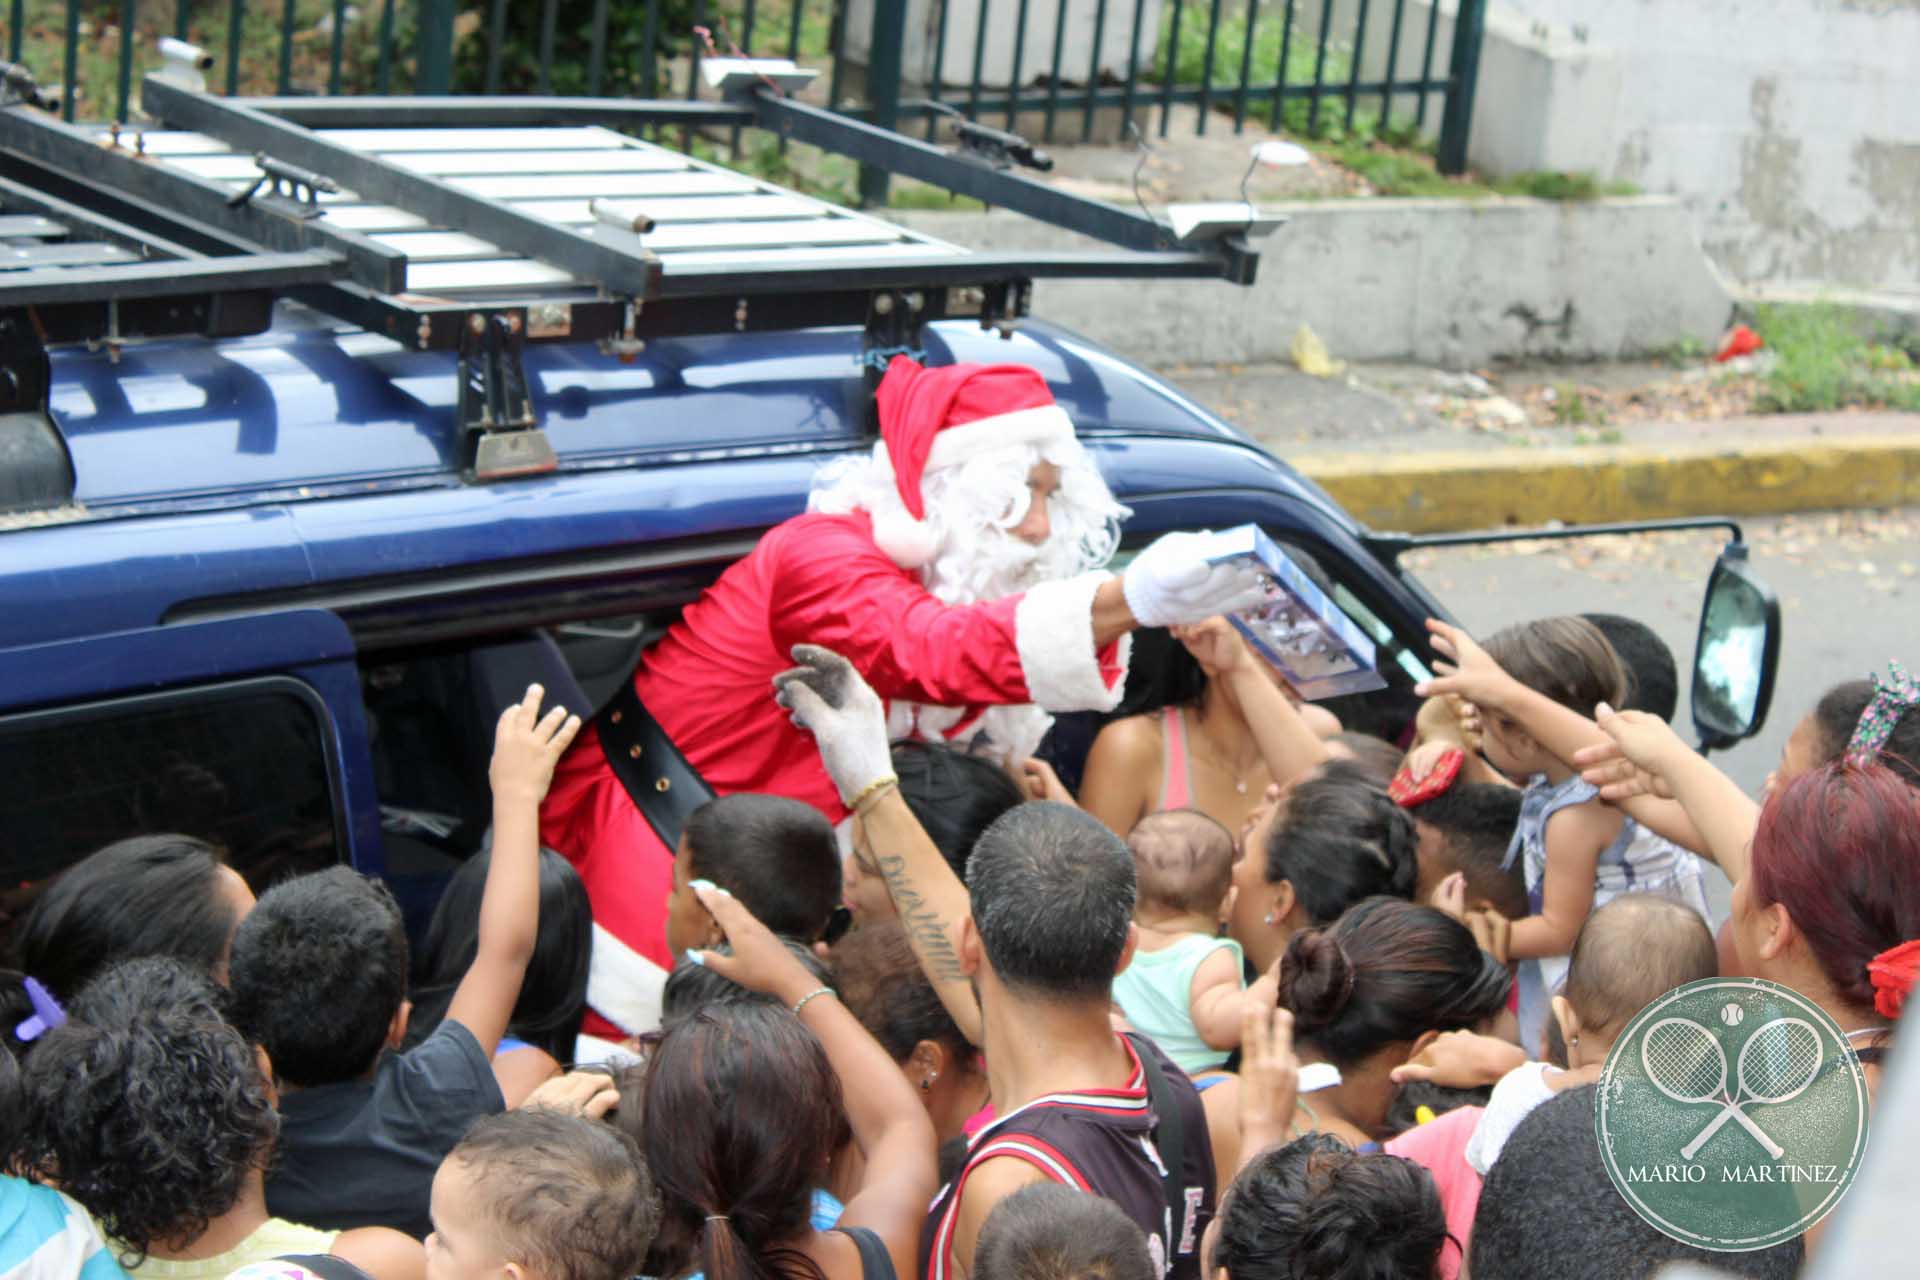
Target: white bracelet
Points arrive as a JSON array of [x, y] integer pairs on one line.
[[802, 1002]]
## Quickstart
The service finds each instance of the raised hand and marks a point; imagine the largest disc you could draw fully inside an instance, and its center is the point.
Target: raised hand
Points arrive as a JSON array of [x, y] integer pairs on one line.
[[1461, 1060], [526, 747], [580, 1093], [1038, 780], [759, 960], [1269, 1076], [1637, 759], [830, 700], [1468, 672], [1216, 645]]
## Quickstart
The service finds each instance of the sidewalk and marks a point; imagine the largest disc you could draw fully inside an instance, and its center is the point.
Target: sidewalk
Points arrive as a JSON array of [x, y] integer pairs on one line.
[[1397, 464]]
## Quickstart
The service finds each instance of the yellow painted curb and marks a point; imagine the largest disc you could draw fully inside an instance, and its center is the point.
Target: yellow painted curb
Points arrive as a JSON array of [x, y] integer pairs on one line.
[[1437, 492]]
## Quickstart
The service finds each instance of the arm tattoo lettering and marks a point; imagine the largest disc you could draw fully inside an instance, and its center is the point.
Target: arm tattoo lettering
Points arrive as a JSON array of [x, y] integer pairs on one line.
[[924, 925]]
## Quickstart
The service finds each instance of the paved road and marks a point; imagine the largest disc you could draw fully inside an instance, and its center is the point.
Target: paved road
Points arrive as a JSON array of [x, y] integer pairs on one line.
[[1849, 588]]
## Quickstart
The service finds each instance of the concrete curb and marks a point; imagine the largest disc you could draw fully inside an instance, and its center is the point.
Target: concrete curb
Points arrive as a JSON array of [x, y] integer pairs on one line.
[[1440, 492]]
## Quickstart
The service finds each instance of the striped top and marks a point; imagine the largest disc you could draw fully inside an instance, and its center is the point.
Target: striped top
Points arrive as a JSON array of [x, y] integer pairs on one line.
[[1102, 1141]]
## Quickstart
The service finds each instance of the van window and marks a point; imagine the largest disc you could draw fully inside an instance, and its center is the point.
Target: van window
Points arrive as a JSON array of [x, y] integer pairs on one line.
[[242, 766]]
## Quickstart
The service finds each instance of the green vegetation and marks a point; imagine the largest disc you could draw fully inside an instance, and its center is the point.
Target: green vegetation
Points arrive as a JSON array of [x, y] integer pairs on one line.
[[1822, 362], [1571, 408]]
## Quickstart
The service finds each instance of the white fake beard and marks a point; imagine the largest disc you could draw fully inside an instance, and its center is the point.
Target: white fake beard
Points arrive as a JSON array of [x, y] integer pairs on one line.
[[975, 506]]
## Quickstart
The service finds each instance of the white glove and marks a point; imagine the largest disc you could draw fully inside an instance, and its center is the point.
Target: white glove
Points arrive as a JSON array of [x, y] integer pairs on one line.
[[829, 699], [1171, 583]]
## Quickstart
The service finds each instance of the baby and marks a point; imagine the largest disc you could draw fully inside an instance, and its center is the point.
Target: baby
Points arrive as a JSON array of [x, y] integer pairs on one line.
[[1630, 952], [541, 1195], [1184, 987]]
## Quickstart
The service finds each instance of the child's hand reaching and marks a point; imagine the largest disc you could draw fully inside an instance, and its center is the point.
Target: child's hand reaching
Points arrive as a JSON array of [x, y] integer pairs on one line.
[[760, 961], [1037, 778], [1269, 1078], [1469, 672], [1216, 645], [1636, 762], [526, 747]]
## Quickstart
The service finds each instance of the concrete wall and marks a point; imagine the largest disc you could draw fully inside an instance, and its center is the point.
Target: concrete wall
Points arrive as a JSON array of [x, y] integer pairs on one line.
[[996, 60], [1791, 128], [1449, 282]]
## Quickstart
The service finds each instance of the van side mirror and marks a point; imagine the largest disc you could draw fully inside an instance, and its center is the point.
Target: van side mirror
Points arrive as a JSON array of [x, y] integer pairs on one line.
[[1737, 653]]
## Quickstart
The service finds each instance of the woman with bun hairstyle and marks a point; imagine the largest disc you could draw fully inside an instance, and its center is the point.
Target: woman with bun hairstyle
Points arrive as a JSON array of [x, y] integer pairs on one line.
[[1369, 993]]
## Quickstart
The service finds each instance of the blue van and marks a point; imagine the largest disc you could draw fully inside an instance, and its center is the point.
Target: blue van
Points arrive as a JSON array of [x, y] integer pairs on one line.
[[292, 503]]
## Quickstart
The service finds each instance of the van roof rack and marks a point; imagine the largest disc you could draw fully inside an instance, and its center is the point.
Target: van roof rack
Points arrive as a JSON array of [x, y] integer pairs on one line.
[[478, 224]]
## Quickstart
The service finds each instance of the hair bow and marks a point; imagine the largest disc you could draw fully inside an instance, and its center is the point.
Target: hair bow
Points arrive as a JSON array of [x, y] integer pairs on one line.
[[1892, 973], [47, 1013], [1893, 697]]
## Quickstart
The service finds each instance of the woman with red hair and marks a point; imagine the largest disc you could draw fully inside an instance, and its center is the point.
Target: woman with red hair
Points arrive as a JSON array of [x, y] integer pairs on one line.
[[1826, 875]]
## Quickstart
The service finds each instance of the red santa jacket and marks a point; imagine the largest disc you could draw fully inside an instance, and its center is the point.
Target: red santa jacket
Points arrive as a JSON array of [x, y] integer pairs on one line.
[[816, 579], [819, 579]]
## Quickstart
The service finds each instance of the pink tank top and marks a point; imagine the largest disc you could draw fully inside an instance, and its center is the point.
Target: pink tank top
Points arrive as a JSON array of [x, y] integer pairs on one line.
[[1176, 784]]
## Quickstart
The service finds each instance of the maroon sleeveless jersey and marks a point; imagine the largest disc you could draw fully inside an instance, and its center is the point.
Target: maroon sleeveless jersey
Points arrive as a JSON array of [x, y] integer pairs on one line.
[[1102, 1141]]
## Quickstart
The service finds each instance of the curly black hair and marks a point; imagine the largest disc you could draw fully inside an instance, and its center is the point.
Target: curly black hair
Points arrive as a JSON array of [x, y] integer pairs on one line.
[[147, 1107], [319, 969]]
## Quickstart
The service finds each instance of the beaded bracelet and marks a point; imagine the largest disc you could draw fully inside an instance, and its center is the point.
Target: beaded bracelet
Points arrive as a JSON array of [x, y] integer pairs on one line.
[[871, 792], [801, 1003]]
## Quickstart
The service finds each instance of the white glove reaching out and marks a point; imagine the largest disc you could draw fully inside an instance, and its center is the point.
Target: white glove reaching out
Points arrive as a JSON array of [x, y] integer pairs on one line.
[[829, 699], [1171, 583]]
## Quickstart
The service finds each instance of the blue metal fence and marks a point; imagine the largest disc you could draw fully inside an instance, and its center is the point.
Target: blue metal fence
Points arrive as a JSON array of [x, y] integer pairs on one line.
[[1314, 53]]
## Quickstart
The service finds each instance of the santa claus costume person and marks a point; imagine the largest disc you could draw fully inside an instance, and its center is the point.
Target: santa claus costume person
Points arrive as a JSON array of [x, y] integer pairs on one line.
[[958, 567]]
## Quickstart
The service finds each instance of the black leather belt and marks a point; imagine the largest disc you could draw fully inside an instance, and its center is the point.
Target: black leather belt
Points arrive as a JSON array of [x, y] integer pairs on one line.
[[665, 788]]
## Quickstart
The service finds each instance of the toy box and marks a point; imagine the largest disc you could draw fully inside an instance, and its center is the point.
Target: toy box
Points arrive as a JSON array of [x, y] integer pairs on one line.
[[1314, 644]]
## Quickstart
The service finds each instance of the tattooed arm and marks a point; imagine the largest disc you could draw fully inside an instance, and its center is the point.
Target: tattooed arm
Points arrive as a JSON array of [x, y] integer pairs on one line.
[[930, 899]]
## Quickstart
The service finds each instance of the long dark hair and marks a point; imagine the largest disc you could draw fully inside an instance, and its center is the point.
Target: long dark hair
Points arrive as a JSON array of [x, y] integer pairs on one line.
[[1341, 839], [155, 895], [743, 1111], [553, 995], [1384, 973]]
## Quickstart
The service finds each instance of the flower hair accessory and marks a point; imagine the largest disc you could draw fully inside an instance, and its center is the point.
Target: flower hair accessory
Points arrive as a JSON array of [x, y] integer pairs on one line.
[[47, 1013], [1893, 697], [1893, 972]]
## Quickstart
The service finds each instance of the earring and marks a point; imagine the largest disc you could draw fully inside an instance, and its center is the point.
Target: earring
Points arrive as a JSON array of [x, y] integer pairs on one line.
[[1574, 1043], [1270, 919]]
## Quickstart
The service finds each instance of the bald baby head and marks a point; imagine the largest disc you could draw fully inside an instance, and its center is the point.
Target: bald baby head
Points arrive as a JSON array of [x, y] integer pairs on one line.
[[1183, 860]]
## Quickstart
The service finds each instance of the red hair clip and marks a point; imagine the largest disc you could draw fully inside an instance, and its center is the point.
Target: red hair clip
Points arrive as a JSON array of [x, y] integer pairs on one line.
[[1893, 972], [1408, 791]]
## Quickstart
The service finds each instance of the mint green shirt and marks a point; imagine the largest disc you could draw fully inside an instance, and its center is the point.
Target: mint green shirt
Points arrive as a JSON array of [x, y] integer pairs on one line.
[[1155, 993]]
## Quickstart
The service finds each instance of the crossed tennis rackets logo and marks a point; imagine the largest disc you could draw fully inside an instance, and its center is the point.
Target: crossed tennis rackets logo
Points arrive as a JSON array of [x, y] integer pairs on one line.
[[1778, 1063]]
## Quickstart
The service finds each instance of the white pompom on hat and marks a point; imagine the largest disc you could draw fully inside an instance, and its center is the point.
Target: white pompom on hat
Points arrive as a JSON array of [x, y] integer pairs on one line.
[[941, 417]]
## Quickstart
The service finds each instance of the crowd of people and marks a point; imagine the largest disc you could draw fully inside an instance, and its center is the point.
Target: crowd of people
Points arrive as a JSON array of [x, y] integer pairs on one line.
[[1254, 998]]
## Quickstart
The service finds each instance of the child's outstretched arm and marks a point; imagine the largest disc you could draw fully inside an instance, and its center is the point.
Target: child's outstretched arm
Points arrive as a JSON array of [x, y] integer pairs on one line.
[[889, 1124], [1475, 676], [1288, 745], [1642, 756], [1575, 836], [526, 746]]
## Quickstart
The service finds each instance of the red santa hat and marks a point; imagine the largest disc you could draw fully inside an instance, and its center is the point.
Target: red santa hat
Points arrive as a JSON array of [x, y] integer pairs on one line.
[[935, 418]]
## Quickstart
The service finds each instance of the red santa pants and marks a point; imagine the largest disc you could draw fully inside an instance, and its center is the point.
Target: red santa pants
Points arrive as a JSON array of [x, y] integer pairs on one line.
[[589, 818]]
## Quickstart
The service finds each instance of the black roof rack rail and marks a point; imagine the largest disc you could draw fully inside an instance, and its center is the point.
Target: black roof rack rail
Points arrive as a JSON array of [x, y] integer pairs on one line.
[[476, 225]]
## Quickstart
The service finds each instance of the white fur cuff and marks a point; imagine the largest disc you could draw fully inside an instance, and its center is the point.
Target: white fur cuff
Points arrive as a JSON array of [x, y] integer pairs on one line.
[[1053, 630], [623, 986]]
